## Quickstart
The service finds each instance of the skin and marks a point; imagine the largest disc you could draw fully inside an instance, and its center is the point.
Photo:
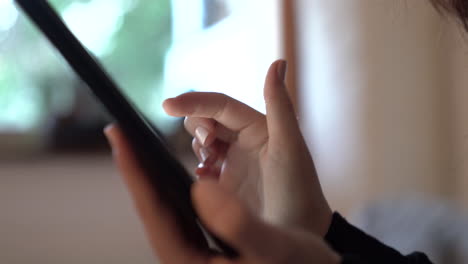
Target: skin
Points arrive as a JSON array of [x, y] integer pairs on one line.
[[258, 187]]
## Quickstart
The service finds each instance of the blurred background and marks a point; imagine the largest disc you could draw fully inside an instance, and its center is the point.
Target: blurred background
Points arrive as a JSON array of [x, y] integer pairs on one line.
[[380, 88]]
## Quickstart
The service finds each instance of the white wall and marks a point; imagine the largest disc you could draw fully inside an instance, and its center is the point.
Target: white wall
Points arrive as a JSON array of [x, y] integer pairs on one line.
[[68, 209], [375, 91]]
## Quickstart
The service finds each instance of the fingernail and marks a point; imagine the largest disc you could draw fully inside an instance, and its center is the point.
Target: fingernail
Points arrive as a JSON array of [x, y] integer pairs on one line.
[[110, 137], [204, 154], [282, 68], [108, 134], [202, 134]]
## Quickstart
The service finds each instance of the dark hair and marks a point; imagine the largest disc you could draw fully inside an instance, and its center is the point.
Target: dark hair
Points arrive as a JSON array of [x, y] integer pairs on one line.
[[456, 7]]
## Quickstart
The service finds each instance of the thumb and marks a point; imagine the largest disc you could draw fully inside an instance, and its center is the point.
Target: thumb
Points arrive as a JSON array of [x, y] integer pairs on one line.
[[281, 117], [224, 215]]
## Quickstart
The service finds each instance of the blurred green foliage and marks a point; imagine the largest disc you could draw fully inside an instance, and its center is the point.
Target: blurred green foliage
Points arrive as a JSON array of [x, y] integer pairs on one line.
[[35, 82]]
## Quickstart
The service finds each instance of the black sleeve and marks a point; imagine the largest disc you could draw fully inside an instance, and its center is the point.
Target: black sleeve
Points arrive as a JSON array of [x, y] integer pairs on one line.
[[356, 247]]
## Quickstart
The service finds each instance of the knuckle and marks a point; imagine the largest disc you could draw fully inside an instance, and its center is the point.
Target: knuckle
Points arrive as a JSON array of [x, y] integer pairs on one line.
[[223, 104]]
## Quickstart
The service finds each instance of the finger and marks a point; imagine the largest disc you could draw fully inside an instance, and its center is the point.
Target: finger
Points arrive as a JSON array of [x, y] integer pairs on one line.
[[164, 235], [201, 128], [207, 168], [229, 112], [207, 154], [225, 215], [210, 169], [206, 130], [196, 147], [207, 173], [212, 159], [281, 117]]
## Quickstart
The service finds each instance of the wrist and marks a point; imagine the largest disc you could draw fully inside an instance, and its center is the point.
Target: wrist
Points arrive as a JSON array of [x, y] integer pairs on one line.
[[319, 221], [315, 221], [323, 225]]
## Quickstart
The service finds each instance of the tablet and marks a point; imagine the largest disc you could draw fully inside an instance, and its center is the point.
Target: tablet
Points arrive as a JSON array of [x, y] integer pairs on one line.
[[165, 173]]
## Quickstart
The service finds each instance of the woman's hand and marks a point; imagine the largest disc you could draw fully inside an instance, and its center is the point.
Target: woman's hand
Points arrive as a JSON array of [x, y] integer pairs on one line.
[[223, 213], [263, 159]]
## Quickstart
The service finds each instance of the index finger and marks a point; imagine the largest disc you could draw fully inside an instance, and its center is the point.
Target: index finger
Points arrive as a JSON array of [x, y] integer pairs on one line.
[[227, 111]]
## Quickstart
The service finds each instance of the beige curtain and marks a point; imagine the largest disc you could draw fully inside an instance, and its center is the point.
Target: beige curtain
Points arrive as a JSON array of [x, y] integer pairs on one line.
[[383, 97]]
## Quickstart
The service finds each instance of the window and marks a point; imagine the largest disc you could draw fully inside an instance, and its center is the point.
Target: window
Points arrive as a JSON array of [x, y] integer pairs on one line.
[[130, 37], [223, 46]]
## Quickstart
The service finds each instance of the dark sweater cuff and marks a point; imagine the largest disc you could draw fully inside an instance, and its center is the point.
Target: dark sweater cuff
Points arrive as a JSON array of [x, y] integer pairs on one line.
[[356, 246]]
